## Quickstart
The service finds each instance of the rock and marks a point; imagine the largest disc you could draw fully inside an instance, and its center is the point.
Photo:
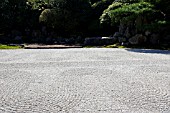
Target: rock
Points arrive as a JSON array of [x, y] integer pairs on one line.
[[105, 38], [137, 39], [79, 40], [49, 40], [71, 40], [122, 28], [154, 39], [107, 41], [4, 39], [27, 31], [15, 33], [121, 39], [91, 41], [115, 39], [44, 30], [18, 39], [133, 31], [127, 33], [147, 33], [139, 23], [166, 41], [125, 43], [98, 41], [167, 38], [117, 34]]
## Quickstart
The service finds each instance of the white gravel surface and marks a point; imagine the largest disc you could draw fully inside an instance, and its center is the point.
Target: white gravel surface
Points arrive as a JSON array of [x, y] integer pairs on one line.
[[84, 81]]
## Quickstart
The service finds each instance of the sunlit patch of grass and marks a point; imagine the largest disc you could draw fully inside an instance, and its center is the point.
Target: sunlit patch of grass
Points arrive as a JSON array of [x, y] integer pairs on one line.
[[88, 47], [114, 46], [122, 47], [9, 47], [111, 46]]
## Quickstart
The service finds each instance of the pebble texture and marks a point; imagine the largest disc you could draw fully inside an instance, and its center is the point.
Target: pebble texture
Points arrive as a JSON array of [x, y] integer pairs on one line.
[[84, 81]]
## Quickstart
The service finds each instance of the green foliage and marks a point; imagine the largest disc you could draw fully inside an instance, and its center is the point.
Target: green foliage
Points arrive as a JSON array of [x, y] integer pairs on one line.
[[131, 12], [81, 16], [105, 17], [38, 4], [114, 6], [127, 12], [11, 11], [156, 26], [47, 16], [94, 1], [137, 1], [164, 6], [129, 1], [99, 7], [16, 14], [67, 16]]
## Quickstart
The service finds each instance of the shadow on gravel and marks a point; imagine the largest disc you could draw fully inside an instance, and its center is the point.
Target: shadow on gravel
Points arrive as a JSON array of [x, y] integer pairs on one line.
[[149, 51]]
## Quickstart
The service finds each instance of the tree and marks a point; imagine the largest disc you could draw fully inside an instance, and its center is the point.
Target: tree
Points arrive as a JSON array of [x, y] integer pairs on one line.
[[126, 12], [164, 6], [69, 16], [39, 4], [13, 13]]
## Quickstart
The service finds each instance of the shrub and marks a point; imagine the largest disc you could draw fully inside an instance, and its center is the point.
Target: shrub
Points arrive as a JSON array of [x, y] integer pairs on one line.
[[131, 11]]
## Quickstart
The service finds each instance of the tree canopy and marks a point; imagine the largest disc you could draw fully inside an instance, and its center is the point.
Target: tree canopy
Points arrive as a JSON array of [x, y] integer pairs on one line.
[[85, 17]]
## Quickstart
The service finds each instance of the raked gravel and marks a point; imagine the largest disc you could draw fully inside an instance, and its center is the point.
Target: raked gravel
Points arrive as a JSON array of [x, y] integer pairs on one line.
[[86, 80]]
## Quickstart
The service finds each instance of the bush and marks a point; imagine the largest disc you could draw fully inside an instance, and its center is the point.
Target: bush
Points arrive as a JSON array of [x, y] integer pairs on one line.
[[131, 12], [105, 17], [125, 12]]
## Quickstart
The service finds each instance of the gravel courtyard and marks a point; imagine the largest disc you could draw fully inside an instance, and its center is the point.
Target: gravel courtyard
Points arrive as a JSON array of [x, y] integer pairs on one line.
[[86, 80]]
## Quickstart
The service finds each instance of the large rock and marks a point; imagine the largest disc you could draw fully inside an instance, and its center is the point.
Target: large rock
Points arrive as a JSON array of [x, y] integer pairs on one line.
[[154, 39], [117, 34], [4, 39], [167, 38], [122, 39], [98, 41], [166, 41], [147, 33], [133, 31], [91, 41], [15, 33], [49, 40], [18, 39], [127, 33], [139, 23], [122, 28], [137, 39]]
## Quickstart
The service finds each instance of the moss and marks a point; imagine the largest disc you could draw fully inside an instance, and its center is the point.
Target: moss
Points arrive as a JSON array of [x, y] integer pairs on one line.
[[9, 47], [111, 46], [122, 47], [114, 46]]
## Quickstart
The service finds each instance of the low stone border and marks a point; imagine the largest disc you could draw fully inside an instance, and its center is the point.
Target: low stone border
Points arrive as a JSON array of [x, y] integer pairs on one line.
[[36, 46]]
